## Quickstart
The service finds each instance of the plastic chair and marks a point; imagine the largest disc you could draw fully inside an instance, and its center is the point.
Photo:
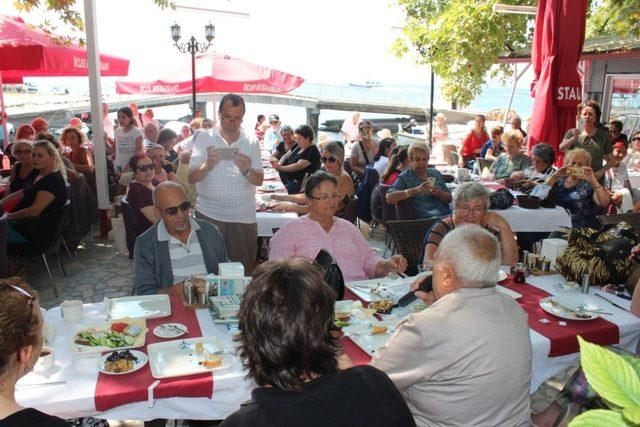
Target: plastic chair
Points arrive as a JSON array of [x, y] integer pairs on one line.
[[44, 234], [388, 210], [408, 237], [130, 225]]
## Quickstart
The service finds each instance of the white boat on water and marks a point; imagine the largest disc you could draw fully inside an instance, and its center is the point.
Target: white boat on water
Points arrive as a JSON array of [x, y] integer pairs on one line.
[[367, 84]]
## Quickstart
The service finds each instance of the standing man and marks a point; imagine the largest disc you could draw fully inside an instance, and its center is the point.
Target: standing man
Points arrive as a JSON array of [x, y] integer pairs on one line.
[[226, 181]]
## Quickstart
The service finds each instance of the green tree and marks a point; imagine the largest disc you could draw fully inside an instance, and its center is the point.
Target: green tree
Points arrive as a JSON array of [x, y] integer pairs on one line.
[[462, 39], [66, 12]]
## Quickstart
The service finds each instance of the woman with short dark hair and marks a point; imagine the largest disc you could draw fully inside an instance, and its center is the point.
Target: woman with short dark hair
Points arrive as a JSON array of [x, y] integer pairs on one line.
[[300, 161], [140, 192], [321, 229], [385, 148], [542, 158], [287, 346]]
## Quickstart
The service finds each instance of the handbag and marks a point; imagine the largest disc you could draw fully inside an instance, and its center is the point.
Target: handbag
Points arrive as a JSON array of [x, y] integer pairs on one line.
[[602, 254], [331, 272], [501, 199]]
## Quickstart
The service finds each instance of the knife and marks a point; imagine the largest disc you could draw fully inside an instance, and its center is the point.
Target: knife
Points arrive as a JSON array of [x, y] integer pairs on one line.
[[611, 302]]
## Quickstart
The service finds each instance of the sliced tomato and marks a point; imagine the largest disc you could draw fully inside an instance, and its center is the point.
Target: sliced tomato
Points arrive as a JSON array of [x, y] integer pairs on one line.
[[119, 327]]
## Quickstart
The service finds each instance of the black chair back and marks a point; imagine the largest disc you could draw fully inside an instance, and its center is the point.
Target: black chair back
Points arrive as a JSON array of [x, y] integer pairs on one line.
[[43, 231], [350, 212], [130, 225], [388, 211], [4, 237], [408, 237]]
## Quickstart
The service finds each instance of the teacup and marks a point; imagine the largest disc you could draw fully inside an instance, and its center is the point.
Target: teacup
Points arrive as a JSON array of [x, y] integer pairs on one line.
[[71, 310], [46, 360]]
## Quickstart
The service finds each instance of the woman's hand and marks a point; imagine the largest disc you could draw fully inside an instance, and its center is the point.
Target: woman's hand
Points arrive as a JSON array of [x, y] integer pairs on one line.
[[396, 263], [517, 175], [282, 207], [589, 176]]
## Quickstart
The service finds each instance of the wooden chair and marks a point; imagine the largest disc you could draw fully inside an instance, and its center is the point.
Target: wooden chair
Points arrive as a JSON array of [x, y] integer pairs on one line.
[[408, 237]]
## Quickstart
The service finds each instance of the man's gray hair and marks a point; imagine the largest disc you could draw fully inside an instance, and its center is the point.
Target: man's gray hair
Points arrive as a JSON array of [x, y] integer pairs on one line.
[[164, 186], [473, 253], [469, 191]]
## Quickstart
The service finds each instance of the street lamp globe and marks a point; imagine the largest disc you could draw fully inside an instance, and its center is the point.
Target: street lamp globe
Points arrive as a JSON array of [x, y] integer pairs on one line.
[[175, 32], [210, 32]]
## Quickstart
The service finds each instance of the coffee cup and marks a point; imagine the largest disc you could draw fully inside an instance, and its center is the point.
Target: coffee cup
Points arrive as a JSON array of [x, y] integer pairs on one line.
[[71, 310], [46, 360]]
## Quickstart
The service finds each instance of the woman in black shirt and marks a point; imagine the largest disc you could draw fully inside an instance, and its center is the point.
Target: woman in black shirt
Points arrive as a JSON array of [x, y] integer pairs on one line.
[[48, 191], [21, 340], [22, 173], [299, 162]]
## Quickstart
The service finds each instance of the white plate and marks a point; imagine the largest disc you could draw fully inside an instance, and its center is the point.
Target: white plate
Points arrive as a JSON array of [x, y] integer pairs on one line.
[[557, 308], [87, 349], [166, 331], [141, 306], [395, 288], [142, 360], [502, 276], [508, 292], [169, 359]]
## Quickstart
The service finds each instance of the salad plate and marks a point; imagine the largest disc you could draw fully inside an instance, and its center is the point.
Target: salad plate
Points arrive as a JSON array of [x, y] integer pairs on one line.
[[119, 334]]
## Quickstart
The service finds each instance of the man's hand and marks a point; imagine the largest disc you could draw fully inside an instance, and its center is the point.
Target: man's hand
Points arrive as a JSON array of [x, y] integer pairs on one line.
[[243, 162], [213, 158], [427, 297]]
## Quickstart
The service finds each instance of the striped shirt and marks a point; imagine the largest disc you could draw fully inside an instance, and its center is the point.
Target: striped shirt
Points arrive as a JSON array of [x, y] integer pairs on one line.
[[225, 194], [186, 259]]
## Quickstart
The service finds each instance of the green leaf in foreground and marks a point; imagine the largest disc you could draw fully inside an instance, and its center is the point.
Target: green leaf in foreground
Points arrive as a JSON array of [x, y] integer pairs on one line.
[[632, 414], [599, 418], [609, 375]]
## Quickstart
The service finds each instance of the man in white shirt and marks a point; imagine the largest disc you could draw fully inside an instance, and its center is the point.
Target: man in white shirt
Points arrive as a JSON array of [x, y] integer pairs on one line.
[[466, 359], [226, 181]]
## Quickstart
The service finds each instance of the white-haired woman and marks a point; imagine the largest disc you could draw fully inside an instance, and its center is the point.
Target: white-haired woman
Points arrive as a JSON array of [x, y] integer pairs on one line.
[[424, 186], [332, 159], [471, 206]]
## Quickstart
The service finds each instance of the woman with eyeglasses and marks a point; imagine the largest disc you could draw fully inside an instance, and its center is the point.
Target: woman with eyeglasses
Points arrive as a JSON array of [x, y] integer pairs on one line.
[[140, 193], [632, 161], [21, 343], [332, 158], [300, 161], [471, 206], [423, 186], [22, 172], [321, 229]]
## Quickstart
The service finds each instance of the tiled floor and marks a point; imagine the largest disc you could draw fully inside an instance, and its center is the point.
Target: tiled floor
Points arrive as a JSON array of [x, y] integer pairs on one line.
[[101, 271]]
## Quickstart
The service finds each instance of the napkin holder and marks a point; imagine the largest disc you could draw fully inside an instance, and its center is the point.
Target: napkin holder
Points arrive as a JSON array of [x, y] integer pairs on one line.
[[552, 249]]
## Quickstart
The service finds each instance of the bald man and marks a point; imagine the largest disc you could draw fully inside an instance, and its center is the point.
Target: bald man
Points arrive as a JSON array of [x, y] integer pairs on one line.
[[176, 247]]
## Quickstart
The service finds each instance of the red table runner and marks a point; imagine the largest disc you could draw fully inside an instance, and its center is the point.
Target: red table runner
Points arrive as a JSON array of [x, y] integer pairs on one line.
[[563, 338], [351, 349], [116, 390]]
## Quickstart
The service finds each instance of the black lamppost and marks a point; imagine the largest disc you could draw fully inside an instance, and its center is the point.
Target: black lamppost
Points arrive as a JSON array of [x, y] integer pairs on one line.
[[193, 47]]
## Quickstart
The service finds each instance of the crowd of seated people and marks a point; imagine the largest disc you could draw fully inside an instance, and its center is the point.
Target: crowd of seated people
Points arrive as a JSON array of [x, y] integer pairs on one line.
[[512, 160]]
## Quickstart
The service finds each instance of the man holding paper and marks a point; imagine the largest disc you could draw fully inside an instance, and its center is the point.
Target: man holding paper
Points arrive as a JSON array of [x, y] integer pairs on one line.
[[226, 167]]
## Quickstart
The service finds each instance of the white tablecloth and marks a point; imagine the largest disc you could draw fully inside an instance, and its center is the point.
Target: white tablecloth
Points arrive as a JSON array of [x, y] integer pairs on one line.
[[634, 179], [535, 220], [75, 398]]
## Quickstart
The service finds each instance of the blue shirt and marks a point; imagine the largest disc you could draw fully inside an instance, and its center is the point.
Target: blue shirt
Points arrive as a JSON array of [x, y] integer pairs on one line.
[[423, 205], [487, 145], [578, 200]]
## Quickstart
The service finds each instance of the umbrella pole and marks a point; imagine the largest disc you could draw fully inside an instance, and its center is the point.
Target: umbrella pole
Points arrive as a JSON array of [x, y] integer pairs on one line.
[[5, 134], [431, 109]]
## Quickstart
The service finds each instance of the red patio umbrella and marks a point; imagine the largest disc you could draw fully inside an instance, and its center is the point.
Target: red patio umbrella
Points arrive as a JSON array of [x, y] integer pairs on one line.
[[217, 73], [557, 44]]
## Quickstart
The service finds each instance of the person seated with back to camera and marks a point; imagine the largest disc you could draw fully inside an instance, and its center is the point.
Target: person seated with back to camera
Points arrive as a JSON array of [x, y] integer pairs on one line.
[[448, 361], [288, 346], [321, 229], [424, 186], [176, 247]]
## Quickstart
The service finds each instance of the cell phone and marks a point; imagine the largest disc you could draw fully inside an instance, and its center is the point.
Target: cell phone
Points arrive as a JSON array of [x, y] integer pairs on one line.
[[227, 153], [575, 170], [426, 285], [581, 124], [431, 181]]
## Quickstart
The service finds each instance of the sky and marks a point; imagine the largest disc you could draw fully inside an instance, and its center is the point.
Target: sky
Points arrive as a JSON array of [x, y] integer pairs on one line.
[[333, 41]]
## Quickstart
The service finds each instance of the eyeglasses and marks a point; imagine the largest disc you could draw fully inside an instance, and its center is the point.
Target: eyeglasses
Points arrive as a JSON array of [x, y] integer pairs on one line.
[[18, 152], [184, 207], [325, 197], [327, 159], [467, 209], [233, 119], [636, 138], [145, 168], [30, 302], [419, 159]]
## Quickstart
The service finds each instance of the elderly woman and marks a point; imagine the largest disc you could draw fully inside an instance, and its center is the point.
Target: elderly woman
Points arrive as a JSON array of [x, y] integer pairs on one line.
[[300, 161], [80, 157], [363, 152], [287, 144], [140, 192], [594, 139], [576, 189], [22, 172], [288, 348], [542, 155], [47, 192], [21, 341], [163, 170], [471, 145], [512, 160], [320, 229], [332, 158], [385, 148], [425, 186], [471, 206]]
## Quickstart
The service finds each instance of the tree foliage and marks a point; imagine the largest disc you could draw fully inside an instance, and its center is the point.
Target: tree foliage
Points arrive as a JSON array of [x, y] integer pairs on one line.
[[462, 39], [66, 12]]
